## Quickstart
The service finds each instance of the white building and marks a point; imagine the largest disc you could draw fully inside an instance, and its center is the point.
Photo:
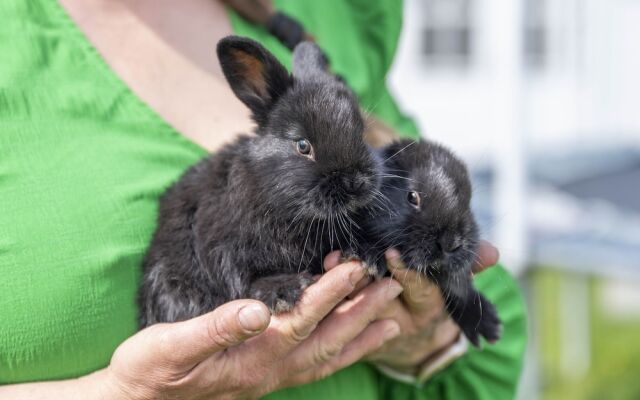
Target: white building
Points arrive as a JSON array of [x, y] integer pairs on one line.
[[580, 73], [498, 80], [537, 95]]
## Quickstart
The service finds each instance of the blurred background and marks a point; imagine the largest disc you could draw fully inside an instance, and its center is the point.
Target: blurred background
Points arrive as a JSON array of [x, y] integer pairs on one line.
[[542, 99]]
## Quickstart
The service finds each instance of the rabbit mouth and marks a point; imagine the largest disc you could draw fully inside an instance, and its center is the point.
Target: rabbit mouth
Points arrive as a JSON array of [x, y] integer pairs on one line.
[[354, 202], [428, 263], [341, 206]]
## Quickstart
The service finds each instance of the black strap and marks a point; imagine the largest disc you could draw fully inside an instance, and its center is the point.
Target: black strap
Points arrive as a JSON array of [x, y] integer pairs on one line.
[[288, 30]]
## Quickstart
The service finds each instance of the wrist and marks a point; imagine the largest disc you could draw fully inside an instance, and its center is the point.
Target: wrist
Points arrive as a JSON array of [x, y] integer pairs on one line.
[[104, 386], [420, 372], [442, 359]]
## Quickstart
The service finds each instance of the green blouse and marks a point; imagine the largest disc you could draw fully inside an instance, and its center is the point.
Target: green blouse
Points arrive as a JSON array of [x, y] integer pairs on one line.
[[83, 161]]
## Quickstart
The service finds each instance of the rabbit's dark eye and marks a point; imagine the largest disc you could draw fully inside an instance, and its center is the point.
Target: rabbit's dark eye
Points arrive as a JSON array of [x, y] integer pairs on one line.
[[414, 199], [304, 147]]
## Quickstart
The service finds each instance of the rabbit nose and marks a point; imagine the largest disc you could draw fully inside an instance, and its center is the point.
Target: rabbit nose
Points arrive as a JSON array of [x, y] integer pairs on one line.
[[354, 184], [448, 247]]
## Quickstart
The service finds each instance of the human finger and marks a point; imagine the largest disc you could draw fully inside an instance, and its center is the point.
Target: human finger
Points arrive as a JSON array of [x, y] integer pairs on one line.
[[488, 255], [371, 339], [190, 342], [331, 260], [345, 323], [289, 329], [420, 293]]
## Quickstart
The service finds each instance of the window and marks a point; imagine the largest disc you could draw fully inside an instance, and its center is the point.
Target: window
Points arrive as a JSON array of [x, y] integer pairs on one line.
[[535, 34], [447, 37]]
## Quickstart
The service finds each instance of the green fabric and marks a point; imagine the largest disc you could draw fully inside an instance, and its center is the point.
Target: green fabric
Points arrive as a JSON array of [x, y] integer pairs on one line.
[[83, 162], [360, 39]]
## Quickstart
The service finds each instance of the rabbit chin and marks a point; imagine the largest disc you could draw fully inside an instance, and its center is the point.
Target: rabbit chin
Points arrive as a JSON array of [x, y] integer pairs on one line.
[[457, 282], [453, 274]]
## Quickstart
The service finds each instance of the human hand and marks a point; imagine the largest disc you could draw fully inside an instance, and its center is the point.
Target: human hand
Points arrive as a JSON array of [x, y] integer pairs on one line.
[[426, 328], [238, 351]]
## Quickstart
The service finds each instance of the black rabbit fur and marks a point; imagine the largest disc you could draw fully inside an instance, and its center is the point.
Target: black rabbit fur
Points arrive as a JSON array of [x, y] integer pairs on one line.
[[425, 214], [254, 220]]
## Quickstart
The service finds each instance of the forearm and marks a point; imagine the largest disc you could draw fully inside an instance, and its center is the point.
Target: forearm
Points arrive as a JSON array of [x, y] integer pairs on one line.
[[94, 386]]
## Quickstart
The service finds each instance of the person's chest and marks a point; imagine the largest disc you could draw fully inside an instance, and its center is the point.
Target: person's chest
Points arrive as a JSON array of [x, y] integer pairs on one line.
[[82, 165], [79, 207], [165, 52]]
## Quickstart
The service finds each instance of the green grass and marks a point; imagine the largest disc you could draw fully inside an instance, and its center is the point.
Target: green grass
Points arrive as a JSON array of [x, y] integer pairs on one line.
[[615, 346]]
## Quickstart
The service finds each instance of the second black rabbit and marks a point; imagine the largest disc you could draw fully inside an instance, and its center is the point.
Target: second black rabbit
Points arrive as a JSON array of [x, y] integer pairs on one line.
[[425, 213]]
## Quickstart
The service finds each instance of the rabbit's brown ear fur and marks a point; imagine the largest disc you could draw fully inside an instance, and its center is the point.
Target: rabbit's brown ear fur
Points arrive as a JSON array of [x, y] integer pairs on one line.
[[254, 74], [252, 71]]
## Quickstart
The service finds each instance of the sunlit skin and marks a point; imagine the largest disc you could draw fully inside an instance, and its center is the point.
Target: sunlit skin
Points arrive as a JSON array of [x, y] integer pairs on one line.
[[425, 327]]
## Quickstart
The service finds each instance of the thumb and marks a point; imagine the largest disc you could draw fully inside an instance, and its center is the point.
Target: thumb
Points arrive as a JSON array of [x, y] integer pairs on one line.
[[191, 342], [488, 255]]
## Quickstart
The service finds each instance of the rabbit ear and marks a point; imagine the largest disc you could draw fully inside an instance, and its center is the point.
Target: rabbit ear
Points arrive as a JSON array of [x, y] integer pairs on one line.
[[254, 74], [309, 62]]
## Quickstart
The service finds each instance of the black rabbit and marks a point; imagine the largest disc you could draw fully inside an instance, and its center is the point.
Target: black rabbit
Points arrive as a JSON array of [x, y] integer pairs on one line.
[[425, 214], [253, 220]]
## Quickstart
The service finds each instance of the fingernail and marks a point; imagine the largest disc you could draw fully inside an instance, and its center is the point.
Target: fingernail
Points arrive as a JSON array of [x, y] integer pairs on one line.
[[393, 290], [392, 253], [332, 258], [391, 331], [393, 258], [357, 274], [253, 317]]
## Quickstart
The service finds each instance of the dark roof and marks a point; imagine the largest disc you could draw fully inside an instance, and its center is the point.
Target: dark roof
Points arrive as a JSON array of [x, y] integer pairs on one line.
[[620, 187], [609, 176]]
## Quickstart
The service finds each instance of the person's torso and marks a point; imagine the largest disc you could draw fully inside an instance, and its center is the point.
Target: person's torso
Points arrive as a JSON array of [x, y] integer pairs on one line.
[[83, 162], [165, 52]]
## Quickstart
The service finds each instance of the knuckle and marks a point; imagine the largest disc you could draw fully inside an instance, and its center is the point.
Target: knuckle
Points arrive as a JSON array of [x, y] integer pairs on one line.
[[166, 345], [298, 333], [175, 384], [326, 353], [221, 333], [421, 297], [299, 329]]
